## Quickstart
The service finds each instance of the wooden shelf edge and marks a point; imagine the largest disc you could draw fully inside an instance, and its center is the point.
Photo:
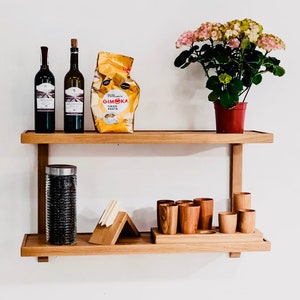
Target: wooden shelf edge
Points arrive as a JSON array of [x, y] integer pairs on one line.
[[34, 245], [147, 137]]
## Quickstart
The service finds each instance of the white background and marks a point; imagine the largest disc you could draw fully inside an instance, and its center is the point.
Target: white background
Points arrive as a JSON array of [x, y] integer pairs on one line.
[[139, 175]]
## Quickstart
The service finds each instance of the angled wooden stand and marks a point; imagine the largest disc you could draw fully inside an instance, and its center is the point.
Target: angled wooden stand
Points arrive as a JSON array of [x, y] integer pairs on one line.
[[122, 225]]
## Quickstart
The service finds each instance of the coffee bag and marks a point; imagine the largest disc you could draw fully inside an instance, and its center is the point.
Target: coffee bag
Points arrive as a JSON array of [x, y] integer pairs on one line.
[[114, 94]]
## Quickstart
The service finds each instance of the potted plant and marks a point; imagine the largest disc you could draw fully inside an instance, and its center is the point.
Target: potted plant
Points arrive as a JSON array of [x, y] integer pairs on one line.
[[234, 56]]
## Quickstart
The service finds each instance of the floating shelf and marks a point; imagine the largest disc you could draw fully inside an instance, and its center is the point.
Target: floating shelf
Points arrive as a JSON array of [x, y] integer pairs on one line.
[[35, 244], [146, 137]]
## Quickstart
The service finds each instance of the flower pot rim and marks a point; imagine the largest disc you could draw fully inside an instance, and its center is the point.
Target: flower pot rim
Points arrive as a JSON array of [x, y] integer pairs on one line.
[[238, 105]]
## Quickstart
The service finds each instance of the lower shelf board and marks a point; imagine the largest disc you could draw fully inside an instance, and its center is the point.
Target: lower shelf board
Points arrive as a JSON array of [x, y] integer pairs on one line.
[[35, 245]]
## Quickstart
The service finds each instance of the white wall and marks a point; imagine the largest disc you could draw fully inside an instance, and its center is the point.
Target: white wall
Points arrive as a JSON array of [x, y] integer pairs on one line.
[[170, 99]]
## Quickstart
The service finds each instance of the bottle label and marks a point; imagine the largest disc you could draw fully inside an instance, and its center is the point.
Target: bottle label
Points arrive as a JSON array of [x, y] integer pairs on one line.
[[45, 94], [74, 98]]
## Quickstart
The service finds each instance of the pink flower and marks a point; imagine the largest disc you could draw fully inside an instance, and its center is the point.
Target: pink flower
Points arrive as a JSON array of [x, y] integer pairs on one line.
[[234, 43], [270, 42], [186, 39], [233, 55], [207, 31]]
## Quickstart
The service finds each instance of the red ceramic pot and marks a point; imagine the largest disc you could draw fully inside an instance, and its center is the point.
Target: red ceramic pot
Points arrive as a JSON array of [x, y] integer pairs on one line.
[[230, 120]]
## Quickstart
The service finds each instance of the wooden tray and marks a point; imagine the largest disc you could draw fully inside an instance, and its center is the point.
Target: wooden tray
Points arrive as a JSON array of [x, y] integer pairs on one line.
[[208, 236]]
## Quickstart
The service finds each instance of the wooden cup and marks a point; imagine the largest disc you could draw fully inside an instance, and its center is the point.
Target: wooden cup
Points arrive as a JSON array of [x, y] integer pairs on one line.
[[168, 217], [180, 203], [158, 202], [227, 221], [206, 212], [246, 220], [188, 218], [241, 200], [184, 202]]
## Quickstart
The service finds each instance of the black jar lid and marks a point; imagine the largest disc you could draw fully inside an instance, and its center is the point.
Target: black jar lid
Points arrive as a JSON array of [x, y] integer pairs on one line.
[[61, 170]]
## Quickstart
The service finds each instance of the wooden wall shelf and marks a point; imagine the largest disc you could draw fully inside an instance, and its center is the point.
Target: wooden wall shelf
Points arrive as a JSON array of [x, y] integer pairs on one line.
[[146, 137], [35, 244]]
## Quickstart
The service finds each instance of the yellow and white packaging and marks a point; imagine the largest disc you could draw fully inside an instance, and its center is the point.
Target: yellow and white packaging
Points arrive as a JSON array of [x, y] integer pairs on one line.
[[114, 95]]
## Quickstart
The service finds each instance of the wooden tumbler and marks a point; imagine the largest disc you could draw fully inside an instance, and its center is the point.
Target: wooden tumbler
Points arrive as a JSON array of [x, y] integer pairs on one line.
[[168, 217], [158, 202], [246, 220], [206, 212], [180, 203], [189, 217], [241, 200], [227, 221]]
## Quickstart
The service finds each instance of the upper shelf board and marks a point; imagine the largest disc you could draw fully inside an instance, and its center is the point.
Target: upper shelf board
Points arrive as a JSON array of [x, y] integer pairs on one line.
[[146, 137]]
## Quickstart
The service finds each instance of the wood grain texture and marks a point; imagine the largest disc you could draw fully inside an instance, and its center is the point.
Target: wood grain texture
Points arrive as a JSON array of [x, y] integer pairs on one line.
[[43, 151], [34, 245], [213, 236], [146, 137], [103, 235]]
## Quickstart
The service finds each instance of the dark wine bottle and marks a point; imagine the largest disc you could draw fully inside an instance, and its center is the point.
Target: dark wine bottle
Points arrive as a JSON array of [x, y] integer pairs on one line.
[[44, 94], [74, 94]]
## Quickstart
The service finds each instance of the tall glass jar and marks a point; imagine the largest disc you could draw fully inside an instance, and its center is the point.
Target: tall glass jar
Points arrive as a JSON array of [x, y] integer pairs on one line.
[[61, 183]]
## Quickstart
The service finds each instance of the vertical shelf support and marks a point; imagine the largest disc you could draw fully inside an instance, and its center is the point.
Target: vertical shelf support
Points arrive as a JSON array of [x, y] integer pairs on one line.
[[236, 169], [43, 154], [236, 177]]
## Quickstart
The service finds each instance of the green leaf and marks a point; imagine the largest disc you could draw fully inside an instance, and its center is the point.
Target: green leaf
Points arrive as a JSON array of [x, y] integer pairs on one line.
[[271, 61], [235, 86], [182, 58], [228, 100], [256, 79], [213, 96], [247, 78], [278, 71], [213, 83], [221, 54]]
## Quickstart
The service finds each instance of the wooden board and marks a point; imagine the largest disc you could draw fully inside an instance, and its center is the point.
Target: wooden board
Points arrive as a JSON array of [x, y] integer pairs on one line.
[[147, 137], [213, 236], [35, 245]]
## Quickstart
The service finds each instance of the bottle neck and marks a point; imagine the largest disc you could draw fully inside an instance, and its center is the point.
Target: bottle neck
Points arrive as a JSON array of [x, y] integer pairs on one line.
[[44, 58], [74, 59]]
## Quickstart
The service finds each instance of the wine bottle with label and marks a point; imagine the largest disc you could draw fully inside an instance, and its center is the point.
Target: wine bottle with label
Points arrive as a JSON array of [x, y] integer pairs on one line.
[[44, 94], [74, 94]]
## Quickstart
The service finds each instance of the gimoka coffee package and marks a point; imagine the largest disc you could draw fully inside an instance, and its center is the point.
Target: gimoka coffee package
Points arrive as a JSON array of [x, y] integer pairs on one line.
[[114, 94]]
